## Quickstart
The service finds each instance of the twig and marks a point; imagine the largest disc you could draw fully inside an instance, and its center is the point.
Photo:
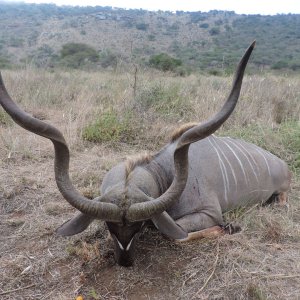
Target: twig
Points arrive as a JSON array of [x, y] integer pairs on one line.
[[130, 285], [211, 274], [282, 276], [247, 211], [193, 275], [274, 275], [18, 289]]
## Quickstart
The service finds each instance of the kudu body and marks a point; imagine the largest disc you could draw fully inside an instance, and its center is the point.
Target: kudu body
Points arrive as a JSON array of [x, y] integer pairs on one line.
[[183, 189]]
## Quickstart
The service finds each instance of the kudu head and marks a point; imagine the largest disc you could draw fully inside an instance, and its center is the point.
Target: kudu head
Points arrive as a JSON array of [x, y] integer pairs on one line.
[[125, 206]]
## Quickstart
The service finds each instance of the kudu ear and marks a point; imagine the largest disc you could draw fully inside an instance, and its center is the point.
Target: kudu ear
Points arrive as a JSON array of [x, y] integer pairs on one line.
[[77, 224], [167, 226]]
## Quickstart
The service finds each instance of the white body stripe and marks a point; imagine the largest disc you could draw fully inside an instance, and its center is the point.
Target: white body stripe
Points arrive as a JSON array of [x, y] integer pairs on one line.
[[239, 161], [228, 162], [249, 162], [250, 155], [221, 164], [261, 152]]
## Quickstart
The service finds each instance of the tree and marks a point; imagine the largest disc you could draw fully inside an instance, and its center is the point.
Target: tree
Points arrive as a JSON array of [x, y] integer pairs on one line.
[[164, 62], [76, 55]]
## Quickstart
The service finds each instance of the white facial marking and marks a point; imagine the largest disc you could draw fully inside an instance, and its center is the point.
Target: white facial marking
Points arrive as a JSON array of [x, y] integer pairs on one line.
[[128, 246], [120, 245]]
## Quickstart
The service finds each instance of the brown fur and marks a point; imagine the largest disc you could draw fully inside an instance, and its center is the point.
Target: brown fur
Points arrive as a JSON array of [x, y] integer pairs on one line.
[[283, 198], [135, 161], [182, 129]]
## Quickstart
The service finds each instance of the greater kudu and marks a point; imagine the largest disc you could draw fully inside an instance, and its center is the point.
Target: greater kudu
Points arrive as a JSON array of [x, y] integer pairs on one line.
[[183, 189]]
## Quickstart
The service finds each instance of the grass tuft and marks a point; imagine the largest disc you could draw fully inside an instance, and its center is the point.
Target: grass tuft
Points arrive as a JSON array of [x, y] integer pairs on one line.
[[109, 127], [165, 100], [255, 292], [5, 120]]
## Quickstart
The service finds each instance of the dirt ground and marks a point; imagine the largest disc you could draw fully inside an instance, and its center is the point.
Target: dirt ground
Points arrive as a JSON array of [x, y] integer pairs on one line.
[[261, 262]]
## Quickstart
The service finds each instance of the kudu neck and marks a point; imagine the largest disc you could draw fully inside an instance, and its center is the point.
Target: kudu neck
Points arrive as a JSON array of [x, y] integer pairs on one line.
[[161, 168]]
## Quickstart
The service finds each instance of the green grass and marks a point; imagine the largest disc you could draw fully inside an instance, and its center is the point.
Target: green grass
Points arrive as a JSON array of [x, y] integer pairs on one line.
[[5, 120], [109, 127], [165, 100]]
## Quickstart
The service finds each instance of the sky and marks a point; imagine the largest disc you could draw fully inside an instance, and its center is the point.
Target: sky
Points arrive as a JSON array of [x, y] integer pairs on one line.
[[264, 7]]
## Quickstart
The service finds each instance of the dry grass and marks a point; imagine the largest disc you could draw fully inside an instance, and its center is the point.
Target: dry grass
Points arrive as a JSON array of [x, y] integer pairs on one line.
[[261, 262]]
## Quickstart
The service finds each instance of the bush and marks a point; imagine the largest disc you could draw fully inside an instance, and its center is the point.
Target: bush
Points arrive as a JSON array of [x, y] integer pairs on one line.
[[44, 56], [280, 65], [164, 100], [76, 55], [151, 37], [214, 72], [16, 42], [142, 26], [5, 120], [108, 59], [164, 62], [214, 31], [295, 65], [204, 25], [4, 63], [109, 127], [183, 71]]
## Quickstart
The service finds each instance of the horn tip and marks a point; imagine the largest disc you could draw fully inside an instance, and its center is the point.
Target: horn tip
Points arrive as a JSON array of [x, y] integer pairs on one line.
[[253, 44]]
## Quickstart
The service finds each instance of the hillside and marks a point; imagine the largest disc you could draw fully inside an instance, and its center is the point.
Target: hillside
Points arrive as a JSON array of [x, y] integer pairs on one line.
[[31, 33]]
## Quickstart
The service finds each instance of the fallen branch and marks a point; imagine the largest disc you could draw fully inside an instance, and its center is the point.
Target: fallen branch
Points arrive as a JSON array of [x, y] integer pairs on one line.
[[16, 290]]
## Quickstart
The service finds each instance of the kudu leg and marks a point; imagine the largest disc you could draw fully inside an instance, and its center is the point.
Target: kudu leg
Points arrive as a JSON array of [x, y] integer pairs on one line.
[[200, 225], [283, 198], [211, 232], [280, 198]]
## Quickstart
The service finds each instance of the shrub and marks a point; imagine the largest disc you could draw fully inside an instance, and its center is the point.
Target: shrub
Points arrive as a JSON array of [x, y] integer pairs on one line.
[[164, 62], [164, 100], [75, 55], [16, 42], [151, 37], [295, 65], [109, 127], [204, 25], [5, 120], [142, 26], [280, 65], [4, 63], [214, 72], [183, 71], [44, 56], [214, 31], [108, 59]]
